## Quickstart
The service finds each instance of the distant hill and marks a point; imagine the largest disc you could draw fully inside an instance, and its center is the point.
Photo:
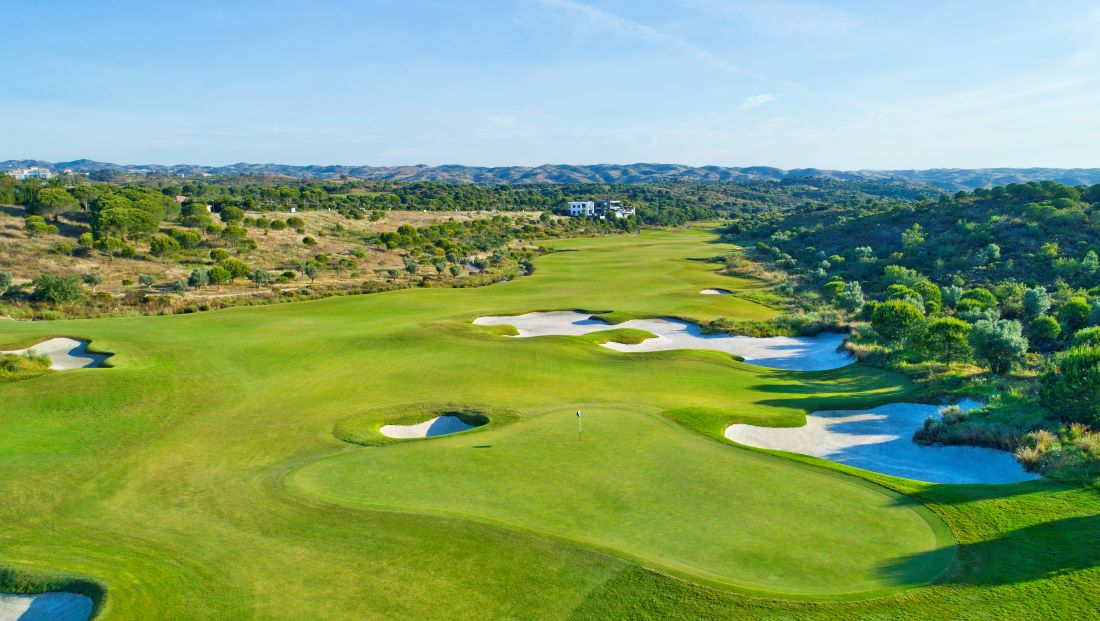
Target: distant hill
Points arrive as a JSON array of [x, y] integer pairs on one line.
[[951, 179]]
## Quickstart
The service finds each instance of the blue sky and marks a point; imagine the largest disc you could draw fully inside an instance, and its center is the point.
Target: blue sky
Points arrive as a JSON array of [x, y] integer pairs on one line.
[[789, 83]]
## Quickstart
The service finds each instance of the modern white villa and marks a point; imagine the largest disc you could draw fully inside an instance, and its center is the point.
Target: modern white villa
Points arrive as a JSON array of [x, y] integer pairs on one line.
[[600, 209]]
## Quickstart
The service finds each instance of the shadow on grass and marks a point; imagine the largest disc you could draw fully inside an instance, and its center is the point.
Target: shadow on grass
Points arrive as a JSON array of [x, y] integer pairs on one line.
[[1037, 552], [965, 494]]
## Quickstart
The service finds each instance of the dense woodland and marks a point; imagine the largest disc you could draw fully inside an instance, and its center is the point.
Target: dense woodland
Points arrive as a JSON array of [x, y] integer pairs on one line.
[[664, 203], [994, 293]]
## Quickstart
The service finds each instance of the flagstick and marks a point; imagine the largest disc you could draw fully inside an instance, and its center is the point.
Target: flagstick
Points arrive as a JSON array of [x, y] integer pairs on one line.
[[580, 428]]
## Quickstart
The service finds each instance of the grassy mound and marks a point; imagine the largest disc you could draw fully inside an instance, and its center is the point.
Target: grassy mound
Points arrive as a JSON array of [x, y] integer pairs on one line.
[[626, 336]]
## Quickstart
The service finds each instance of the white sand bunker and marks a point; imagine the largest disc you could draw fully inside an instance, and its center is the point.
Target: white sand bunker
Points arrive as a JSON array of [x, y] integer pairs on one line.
[[715, 292], [881, 440], [65, 353], [438, 426], [46, 607], [778, 352]]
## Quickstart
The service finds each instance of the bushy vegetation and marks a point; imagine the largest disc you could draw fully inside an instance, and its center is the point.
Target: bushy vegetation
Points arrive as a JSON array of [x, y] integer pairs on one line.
[[22, 366], [122, 222], [1004, 281]]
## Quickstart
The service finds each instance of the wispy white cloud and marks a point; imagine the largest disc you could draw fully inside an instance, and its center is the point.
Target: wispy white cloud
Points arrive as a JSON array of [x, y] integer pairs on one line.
[[613, 22], [756, 101], [800, 17], [1083, 33]]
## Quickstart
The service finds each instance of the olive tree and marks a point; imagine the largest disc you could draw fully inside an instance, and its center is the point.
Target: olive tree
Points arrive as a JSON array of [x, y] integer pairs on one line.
[[850, 297], [93, 280], [1035, 302], [999, 345]]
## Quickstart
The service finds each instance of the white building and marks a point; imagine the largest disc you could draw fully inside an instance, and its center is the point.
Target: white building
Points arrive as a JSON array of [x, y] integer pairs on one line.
[[34, 172], [600, 209], [582, 208]]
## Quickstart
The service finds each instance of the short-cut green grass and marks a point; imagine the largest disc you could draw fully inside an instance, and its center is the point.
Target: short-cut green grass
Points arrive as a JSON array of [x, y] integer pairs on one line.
[[200, 477]]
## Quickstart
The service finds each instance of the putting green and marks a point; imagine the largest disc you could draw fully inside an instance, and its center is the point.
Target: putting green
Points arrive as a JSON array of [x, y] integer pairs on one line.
[[166, 477], [636, 486]]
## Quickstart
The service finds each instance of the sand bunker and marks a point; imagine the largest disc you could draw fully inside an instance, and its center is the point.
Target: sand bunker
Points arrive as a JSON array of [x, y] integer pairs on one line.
[[779, 352], [46, 607], [881, 440], [438, 426], [715, 292], [65, 353]]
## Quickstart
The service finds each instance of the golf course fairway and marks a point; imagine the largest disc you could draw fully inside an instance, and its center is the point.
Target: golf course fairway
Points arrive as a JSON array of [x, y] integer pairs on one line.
[[199, 477]]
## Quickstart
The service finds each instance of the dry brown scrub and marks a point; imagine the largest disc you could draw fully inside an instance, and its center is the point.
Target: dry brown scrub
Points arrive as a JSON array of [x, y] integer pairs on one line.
[[26, 257]]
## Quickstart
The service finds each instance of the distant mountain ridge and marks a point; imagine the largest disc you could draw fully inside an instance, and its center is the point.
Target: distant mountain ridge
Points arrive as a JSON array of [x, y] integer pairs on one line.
[[944, 178]]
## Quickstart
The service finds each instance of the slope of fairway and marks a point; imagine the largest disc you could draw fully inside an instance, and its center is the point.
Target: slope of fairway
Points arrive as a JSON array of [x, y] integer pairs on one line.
[[637, 487], [164, 478]]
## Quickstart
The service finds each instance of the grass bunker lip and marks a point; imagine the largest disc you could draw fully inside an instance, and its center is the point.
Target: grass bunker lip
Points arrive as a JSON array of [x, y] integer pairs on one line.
[[66, 353], [417, 421]]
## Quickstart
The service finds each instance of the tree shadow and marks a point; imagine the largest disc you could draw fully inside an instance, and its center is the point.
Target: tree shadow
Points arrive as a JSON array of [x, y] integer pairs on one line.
[[1038, 552], [979, 492]]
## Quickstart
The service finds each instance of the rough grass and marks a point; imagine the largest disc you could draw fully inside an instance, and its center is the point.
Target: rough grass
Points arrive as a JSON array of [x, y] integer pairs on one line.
[[22, 366]]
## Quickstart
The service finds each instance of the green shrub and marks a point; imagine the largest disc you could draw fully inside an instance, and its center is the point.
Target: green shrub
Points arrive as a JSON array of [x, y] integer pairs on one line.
[[1087, 337], [981, 297], [185, 238], [162, 245], [235, 267], [1070, 385], [896, 320], [946, 340], [219, 275], [1045, 329], [1074, 314], [57, 290]]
